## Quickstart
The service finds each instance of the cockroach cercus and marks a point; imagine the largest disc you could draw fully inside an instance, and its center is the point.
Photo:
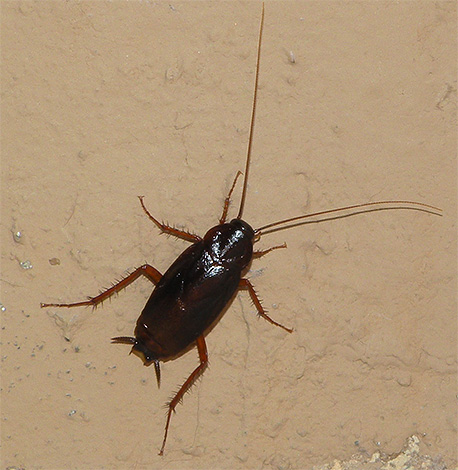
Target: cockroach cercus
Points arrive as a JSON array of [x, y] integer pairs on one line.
[[190, 296]]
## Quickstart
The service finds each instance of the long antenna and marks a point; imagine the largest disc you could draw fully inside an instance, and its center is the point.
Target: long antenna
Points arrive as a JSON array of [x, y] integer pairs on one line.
[[357, 209], [253, 112]]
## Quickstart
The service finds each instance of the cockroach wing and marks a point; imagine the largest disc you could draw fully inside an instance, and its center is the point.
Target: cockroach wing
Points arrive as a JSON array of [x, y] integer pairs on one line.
[[186, 301]]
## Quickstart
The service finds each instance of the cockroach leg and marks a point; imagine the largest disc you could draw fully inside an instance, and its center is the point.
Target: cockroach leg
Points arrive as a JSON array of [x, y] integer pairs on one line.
[[203, 356], [164, 228], [227, 201], [146, 270], [246, 284], [259, 253]]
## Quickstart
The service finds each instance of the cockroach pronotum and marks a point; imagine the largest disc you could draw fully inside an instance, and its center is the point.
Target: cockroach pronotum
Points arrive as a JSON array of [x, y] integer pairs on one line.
[[190, 296]]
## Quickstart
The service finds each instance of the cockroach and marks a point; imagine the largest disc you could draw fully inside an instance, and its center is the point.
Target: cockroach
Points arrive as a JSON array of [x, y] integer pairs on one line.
[[190, 296]]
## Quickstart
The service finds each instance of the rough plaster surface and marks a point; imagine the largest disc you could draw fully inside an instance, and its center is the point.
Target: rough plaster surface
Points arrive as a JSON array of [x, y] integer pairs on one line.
[[104, 101]]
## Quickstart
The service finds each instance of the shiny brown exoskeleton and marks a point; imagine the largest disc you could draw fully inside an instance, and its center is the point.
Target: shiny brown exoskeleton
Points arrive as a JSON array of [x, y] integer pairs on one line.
[[195, 289]]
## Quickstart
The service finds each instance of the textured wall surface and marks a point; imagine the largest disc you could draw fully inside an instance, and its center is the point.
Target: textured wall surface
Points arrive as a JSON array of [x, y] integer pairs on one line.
[[104, 101]]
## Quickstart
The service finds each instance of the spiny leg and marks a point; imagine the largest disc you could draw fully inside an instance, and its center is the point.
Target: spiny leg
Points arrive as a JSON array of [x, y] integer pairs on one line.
[[227, 201], [146, 270], [259, 253], [203, 356], [246, 284], [190, 237]]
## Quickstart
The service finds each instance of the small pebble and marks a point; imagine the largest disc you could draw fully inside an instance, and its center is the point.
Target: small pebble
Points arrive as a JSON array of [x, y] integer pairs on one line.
[[26, 265]]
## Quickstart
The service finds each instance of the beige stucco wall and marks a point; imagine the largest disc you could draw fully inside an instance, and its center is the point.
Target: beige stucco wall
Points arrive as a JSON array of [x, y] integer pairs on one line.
[[104, 101]]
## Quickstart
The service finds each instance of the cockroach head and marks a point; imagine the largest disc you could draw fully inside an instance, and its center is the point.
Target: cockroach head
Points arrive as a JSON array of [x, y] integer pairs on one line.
[[140, 350], [231, 243], [244, 227]]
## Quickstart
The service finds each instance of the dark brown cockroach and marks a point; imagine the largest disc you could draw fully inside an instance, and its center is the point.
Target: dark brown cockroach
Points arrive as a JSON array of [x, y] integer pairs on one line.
[[193, 292]]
